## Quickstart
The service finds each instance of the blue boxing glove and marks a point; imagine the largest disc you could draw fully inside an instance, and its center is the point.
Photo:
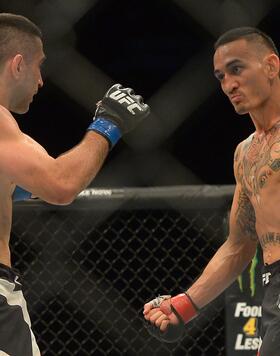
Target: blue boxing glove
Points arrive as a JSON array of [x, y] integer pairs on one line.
[[119, 112], [20, 194]]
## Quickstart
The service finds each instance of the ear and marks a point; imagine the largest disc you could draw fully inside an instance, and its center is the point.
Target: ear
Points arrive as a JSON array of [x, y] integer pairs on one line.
[[272, 65], [17, 64]]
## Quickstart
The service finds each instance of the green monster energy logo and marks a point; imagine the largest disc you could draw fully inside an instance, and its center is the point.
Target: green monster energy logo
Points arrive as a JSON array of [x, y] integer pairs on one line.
[[252, 275]]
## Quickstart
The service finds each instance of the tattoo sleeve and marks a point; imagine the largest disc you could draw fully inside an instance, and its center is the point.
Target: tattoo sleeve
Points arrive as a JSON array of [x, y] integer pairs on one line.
[[245, 216], [237, 165]]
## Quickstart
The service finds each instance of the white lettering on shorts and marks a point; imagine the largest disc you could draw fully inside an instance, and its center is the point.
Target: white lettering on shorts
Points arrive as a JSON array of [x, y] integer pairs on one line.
[[247, 311], [246, 343], [265, 278]]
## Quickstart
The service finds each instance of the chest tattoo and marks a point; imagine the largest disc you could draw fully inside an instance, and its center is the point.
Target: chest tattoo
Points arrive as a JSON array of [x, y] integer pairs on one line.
[[269, 238], [260, 159]]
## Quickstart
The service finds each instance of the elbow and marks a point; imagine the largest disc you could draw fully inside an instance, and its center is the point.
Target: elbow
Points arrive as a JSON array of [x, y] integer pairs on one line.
[[63, 199], [247, 254], [65, 196], [61, 195]]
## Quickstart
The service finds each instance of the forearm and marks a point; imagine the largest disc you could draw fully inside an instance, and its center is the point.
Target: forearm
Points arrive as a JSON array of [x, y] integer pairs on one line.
[[222, 270], [80, 165], [169, 314], [58, 181], [73, 171]]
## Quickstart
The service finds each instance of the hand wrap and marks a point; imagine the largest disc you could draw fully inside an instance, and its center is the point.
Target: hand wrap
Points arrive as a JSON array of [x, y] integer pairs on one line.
[[182, 306]]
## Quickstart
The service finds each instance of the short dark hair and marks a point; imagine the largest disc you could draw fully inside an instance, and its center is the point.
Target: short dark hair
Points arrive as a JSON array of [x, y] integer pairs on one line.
[[17, 34], [251, 34]]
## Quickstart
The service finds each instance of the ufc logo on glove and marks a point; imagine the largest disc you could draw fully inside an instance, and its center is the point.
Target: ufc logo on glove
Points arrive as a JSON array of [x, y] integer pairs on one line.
[[123, 98]]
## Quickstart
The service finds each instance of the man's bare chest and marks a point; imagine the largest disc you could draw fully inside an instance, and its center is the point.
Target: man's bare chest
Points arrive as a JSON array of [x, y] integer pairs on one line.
[[260, 164]]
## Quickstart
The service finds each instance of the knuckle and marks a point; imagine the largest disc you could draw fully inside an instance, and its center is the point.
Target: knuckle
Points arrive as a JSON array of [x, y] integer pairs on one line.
[[158, 322], [139, 98], [130, 91]]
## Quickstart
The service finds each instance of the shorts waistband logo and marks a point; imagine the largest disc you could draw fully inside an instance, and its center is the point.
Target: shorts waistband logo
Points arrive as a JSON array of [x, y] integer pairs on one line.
[[265, 278]]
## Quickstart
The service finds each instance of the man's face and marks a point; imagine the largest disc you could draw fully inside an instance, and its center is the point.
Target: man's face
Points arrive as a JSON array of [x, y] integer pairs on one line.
[[241, 71], [31, 80]]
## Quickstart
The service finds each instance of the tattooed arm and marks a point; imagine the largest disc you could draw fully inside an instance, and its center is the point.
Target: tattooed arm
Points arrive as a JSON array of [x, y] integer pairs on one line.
[[236, 252]]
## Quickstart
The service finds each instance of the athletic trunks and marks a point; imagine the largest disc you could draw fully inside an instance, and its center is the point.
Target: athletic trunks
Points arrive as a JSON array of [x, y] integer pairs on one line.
[[270, 323], [16, 336]]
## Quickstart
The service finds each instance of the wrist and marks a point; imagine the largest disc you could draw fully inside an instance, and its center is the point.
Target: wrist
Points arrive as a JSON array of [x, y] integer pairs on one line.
[[107, 129], [184, 307]]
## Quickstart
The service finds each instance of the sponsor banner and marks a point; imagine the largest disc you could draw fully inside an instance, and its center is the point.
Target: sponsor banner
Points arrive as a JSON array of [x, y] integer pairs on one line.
[[243, 310]]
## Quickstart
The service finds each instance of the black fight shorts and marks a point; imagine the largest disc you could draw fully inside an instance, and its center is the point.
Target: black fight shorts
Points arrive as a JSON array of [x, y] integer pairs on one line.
[[270, 324], [16, 336]]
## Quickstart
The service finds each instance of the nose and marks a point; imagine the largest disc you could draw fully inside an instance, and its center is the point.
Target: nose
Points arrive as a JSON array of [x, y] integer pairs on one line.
[[229, 84]]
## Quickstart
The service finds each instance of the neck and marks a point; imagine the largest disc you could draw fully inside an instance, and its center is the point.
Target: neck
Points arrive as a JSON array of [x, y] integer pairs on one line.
[[4, 99], [6, 90], [265, 124], [268, 114]]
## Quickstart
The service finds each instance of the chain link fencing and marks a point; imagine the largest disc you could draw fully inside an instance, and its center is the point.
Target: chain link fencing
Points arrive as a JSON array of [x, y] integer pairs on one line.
[[89, 267]]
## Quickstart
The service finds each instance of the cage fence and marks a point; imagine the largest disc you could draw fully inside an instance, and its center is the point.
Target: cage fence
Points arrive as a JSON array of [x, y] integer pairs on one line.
[[89, 267]]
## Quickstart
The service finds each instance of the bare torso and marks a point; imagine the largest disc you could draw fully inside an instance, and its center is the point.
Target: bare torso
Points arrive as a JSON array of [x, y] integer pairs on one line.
[[259, 172], [6, 191]]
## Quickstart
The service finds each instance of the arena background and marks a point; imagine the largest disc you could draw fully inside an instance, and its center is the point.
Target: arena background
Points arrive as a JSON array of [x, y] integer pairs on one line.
[[163, 49]]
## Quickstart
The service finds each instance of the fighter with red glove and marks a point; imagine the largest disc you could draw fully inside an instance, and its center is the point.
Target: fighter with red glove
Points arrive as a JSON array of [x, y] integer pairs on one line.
[[166, 316]]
